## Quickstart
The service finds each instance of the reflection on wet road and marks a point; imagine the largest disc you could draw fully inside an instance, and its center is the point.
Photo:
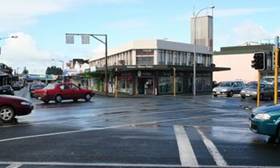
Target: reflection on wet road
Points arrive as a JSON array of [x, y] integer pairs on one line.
[[137, 132]]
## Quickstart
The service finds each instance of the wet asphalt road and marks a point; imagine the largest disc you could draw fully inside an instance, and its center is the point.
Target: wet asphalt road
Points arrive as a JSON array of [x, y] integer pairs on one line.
[[161, 131]]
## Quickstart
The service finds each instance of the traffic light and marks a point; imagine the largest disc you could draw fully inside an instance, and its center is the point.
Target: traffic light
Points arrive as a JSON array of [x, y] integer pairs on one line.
[[259, 61]]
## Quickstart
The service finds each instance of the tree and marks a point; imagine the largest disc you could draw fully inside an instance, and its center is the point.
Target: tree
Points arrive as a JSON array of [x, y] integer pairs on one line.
[[53, 70], [25, 71]]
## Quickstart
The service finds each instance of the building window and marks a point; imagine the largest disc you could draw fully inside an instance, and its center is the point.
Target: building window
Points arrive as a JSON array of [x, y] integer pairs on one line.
[[145, 52], [144, 60]]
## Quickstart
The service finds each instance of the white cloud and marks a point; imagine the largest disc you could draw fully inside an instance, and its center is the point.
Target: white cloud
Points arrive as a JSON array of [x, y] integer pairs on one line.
[[23, 51], [15, 14], [231, 12], [128, 24], [243, 33], [250, 31]]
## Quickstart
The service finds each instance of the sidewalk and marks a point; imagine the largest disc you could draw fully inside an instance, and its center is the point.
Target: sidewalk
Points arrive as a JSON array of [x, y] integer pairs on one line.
[[120, 95]]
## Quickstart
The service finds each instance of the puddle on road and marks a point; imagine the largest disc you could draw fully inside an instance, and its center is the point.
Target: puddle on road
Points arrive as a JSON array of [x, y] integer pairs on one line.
[[236, 135]]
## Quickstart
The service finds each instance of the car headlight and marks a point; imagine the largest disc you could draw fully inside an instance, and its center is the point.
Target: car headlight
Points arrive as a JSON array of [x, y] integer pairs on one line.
[[25, 103], [262, 116]]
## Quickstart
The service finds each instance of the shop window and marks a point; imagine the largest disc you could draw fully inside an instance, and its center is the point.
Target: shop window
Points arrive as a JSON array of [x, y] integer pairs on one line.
[[165, 85]]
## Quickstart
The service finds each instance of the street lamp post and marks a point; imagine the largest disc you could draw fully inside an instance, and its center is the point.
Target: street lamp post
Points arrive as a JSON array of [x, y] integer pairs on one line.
[[105, 42], [195, 15]]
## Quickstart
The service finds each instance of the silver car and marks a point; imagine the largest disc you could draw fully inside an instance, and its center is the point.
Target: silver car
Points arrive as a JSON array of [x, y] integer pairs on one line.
[[228, 88], [266, 91]]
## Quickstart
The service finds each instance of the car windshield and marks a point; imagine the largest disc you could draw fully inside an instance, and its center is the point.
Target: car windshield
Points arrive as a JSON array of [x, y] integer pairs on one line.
[[50, 86], [252, 85], [226, 84]]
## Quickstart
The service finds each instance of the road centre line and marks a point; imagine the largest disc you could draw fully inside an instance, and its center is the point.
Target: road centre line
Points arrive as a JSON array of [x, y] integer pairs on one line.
[[99, 128], [186, 153], [14, 165], [220, 161], [45, 122], [91, 164], [93, 129], [121, 165]]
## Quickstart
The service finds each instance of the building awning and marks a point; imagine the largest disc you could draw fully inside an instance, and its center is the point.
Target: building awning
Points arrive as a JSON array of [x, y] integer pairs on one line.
[[3, 74], [161, 68]]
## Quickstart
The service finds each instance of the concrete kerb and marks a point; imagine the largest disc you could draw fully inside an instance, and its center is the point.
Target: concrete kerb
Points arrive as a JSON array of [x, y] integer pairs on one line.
[[151, 96]]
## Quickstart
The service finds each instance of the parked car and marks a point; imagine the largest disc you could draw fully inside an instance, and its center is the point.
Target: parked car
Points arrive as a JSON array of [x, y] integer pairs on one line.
[[6, 90], [63, 91], [11, 106], [228, 88], [266, 120], [16, 86], [269, 80], [250, 90], [35, 86]]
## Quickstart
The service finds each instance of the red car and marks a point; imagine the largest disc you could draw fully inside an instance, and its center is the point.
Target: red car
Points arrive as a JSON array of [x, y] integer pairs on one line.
[[11, 106], [63, 91]]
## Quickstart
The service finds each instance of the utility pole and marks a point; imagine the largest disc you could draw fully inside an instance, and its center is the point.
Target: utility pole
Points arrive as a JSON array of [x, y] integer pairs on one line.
[[174, 81], [85, 40], [276, 58], [259, 88]]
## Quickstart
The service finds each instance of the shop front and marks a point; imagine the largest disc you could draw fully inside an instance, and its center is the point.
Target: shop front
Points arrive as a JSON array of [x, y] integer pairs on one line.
[[156, 80]]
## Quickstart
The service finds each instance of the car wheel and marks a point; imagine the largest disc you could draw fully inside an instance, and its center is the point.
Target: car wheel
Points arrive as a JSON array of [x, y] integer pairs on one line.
[[75, 100], [7, 114], [261, 97], [278, 134], [271, 139], [243, 97], [215, 95], [230, 94], [87, 97], [46, 101], [58, 98]]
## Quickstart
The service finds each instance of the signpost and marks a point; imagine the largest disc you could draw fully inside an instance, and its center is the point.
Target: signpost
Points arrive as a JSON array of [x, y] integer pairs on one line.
[[276, 59]]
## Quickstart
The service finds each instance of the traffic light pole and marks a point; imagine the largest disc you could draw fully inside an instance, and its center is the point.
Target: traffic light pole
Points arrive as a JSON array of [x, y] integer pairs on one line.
[[276, 57], [259, 88]]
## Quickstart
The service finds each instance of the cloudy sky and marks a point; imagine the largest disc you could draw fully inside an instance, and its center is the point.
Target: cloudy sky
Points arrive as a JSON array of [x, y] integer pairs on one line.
[[41, 25]]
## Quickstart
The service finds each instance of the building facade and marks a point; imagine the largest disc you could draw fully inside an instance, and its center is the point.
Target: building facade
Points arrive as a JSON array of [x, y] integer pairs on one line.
[[239, 60], [150, 67], [6, 75]]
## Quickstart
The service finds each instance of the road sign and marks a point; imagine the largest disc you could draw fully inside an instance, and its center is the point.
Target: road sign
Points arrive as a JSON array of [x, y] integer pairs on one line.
[[69, 39]]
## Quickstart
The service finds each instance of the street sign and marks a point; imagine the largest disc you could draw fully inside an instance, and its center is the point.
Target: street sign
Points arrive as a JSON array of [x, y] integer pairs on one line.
[[85, 39], [69, 39]]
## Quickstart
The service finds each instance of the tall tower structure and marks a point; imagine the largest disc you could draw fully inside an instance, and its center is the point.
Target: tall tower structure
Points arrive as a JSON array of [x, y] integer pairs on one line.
[[204, 31]]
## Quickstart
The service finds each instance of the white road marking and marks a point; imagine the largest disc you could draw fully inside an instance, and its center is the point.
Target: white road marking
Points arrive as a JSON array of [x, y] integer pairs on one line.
[[220, 161], [14, 165], [92, 164], [121, 165], [186, 152], [95, 129]]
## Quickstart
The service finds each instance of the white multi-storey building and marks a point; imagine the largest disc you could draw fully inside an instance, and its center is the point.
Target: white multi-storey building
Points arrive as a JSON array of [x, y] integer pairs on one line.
[[155, 52], [147, 67]]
